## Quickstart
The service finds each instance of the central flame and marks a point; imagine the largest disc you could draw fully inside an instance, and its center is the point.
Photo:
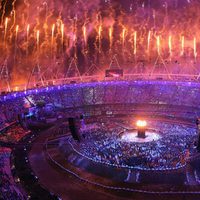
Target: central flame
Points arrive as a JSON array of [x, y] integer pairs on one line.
[[141, 123]]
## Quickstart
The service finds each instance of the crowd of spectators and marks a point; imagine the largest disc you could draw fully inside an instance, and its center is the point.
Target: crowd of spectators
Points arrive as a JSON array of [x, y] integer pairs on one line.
[[177, 96], [8, 188], [9, 111], [13, 134]]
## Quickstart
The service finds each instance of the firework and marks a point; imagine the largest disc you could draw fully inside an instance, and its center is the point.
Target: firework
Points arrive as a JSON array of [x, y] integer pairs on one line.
[[135, 43], [62, 33], [148, 43], [111, 37], [100, 29], [158, 44], [182, 45], [170, 46], [84, 29], [38, 40], [16, 32], [124, 32], [5, 30], [195, 48]]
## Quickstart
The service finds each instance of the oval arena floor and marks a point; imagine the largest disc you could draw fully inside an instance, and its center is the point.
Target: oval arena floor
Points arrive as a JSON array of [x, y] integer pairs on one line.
[[64, 168]]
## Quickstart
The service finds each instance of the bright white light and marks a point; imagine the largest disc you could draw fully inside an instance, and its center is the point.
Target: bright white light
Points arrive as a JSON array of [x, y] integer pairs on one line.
[[133, 137], [141, 123]]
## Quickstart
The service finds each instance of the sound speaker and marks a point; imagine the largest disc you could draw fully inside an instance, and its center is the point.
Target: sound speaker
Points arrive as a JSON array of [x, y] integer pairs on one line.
[[73, 129]]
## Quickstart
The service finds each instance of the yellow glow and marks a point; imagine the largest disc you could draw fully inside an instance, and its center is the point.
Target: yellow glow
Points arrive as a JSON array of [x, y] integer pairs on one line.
[[100, 31], [16, 88], [38, 37], [170, 46], [111, 36], [6, 23], [124, 32], [52, 32], [141, 123], [148, 42], [27, 30], [135, 43], [158, 44], [182, 45], [62, 32], [6, 26], [17, 29], [84, 34], [195, 47]]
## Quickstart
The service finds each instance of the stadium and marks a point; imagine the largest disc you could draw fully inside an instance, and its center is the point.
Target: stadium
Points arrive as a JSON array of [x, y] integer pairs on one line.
[[100, 99]]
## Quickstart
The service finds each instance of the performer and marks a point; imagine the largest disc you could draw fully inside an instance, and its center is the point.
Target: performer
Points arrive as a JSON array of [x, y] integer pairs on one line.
[[82, 126]]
